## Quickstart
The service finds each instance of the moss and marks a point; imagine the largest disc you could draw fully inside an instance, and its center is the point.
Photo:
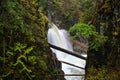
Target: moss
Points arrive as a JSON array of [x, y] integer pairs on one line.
[[107, 7], [26, 51], [103, 74]]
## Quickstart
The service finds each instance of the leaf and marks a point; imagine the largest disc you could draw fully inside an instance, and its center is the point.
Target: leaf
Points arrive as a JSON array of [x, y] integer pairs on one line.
[[26, 69], [18, 46], [88, 31], [28, 50], [32, 59], [22, 57], [83, 29], [9, 53]]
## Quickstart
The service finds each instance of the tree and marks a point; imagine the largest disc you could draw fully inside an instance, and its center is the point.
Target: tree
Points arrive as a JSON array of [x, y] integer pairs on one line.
[[25, 53], [64, 13], [87, 9], [107, 21]]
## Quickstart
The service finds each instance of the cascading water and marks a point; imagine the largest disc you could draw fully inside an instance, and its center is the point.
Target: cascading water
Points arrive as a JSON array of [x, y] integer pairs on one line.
[[60, 38]]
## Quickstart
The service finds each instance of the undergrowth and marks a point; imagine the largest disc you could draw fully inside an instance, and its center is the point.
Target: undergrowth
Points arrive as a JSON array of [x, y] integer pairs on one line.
[[103, 74]]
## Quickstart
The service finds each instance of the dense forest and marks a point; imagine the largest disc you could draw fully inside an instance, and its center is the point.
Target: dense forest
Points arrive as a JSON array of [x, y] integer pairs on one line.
[[25, 53]]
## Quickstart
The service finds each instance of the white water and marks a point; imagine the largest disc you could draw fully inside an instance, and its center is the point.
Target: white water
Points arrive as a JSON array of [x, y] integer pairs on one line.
[[60, 38]]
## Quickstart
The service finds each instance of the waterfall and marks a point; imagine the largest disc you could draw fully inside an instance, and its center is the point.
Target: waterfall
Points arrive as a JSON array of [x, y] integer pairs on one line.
[[60, 38]]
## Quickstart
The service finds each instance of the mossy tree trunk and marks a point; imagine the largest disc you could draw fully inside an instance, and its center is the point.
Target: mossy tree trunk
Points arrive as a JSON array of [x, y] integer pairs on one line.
[[107, 22]]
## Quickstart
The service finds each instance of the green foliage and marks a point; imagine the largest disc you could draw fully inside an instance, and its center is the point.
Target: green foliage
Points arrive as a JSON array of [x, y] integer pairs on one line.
[[68, 11], [19, 51], [57, 3], [23, 29], [84, 30], [102, 74], [105, 12], [87, 8], [18, 47], [32, 60], [43, 6], [107, 6], [88, 31]]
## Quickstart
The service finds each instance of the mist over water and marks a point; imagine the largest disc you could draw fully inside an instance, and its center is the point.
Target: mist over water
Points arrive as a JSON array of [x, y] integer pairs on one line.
[[60, 38]]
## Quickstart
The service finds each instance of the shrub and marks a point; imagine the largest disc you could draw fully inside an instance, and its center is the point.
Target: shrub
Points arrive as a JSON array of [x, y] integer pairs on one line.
[[103, 74], [89, 32]]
